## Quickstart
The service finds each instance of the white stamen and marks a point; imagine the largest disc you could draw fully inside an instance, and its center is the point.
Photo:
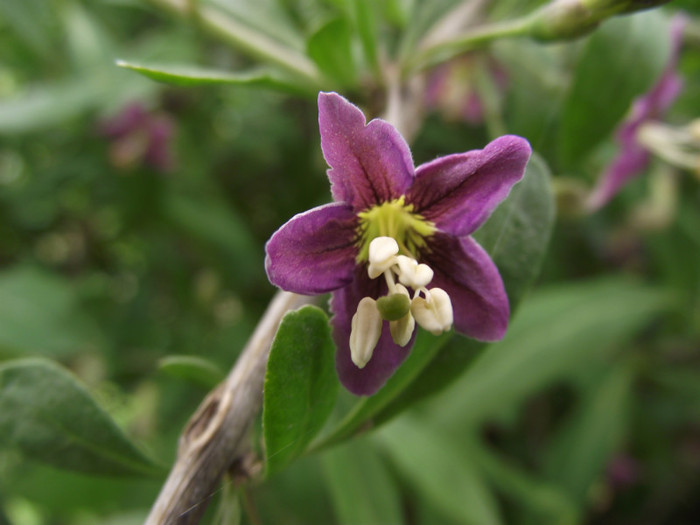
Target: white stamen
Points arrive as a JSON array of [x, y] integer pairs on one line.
[[679, 147], [366, 328], [433, 313], [413, 274], [382, 255], [402, 329]]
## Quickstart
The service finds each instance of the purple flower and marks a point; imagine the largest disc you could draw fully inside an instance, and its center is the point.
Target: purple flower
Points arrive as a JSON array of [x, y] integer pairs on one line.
[[140, 136], [452, 87], [392, 222], [634, 156]]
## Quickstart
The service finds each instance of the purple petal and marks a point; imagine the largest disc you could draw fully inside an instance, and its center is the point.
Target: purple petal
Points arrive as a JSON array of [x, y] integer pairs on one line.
[[633, 157], [314, 252], [387, 355], [466, 272], [369, 164], [626, 166], [459, 192]]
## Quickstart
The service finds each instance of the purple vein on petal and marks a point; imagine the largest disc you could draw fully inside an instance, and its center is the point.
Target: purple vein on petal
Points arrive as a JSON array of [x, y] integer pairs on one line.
[[459, 192], [314, 252], [369, 163]]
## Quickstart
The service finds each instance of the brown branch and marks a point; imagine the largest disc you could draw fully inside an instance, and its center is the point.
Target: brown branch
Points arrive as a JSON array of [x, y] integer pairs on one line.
[[215, 437]]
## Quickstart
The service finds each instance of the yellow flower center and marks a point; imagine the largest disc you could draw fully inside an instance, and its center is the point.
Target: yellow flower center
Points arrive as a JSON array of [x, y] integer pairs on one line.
[[397, 220]]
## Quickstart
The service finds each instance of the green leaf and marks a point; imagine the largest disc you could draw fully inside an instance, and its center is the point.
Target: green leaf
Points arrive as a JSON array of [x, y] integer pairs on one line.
[[331, 48], [604, 85], [218, 228], [441, 469], [189, 75], [579, 452], [265, 16], [85, 38], [32, 22], [360, 485], [548, 501], [62, 494], [516, 236], [300, 385], [48, 105], [365, 21], [48, 415], [533, 109], [40, 314], [558, 331], [195, 369]]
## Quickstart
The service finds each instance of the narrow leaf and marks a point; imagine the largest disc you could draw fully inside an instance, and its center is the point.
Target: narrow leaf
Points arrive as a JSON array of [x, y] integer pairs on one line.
[[300, 385], [581, 450], [217, 228], [48, 415], [360, 485], [549, 502], [47, 105], [441, 470], [189, 75], [554, 334], [331, 48], [366, 24], [40, 314], [194, 369]]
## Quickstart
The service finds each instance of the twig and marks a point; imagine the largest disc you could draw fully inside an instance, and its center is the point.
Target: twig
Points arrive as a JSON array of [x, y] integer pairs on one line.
[[215, 437]]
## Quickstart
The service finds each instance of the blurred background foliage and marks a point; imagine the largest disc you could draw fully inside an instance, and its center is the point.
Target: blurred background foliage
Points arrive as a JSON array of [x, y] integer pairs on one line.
[[133, 216]]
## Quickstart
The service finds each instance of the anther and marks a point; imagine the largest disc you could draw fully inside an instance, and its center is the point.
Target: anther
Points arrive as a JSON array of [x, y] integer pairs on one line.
[[413, 274], [433, 313], [402, 329], [366, 328], [382, 255]]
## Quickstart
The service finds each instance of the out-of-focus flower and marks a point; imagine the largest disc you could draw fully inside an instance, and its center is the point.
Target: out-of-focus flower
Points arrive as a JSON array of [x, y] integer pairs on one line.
[[452, 87], [623, 471], [137, 136], [395, 248], [640, 129]]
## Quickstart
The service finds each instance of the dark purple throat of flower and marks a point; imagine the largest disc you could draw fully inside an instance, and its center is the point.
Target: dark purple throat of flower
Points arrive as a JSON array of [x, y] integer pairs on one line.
[[394, 249]]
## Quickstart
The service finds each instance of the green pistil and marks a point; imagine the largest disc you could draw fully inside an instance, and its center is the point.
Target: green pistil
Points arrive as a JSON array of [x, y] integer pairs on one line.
[[393, 219]]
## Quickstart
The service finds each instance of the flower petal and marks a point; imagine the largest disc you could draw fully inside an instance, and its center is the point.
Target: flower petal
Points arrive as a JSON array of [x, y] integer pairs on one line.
[[629, 163], [387, 355], [466, 272], [369, 164], [459, 192], [314, 252]]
